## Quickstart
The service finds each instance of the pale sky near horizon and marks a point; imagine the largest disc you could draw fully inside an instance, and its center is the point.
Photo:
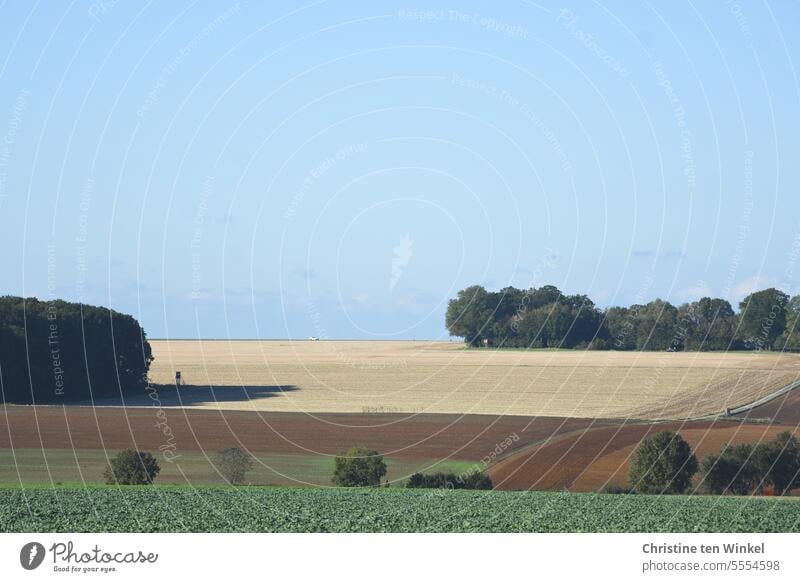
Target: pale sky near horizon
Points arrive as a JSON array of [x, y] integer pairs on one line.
[[341, 169]]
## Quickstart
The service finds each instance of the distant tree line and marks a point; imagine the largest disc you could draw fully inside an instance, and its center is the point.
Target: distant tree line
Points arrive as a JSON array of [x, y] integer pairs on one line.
[[547, 318], [56, 351]]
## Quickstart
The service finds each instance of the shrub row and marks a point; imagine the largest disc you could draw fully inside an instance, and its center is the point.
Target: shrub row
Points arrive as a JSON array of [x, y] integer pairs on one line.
[[474, 480]]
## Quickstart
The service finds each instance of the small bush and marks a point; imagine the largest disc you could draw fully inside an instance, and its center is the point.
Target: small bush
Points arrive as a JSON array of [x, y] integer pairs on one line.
[[233, 464], [449, 481], [618, 490], [132, 468], [663, 463], [359, 468]]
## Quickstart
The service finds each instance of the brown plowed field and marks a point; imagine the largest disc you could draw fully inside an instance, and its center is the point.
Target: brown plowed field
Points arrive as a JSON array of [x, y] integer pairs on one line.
[[587, 460], [784, 409], [430, 436], [614, 466]]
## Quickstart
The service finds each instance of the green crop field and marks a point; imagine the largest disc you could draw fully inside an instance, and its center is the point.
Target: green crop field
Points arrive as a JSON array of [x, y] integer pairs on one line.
[[178, 509], [78, 466]]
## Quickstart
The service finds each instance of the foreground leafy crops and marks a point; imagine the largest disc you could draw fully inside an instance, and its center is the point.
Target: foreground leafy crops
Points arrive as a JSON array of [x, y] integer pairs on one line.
[[156, 509]]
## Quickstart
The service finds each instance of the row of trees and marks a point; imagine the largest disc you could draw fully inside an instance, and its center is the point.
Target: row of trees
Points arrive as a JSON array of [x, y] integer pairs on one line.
[[131, 467], [662, 464], [360, 467], [63, 352], [547, 318], [749, 468], [665, 463]]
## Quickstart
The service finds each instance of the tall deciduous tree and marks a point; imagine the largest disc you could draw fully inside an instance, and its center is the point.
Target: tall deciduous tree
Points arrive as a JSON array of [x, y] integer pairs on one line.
[[233, 464], [791, 335], [131, 467], [735, 470], [657, 326], [663, 463], [359, 468], [763, 317], [711, 324], [470, 315]]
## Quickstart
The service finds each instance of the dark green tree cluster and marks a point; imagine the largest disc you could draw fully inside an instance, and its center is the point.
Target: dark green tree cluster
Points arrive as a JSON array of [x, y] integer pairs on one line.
[[63, 352], [130, 467], [359, 467], [541, 318], [749, 468], [474, 480], [662, 464], [547, 318]]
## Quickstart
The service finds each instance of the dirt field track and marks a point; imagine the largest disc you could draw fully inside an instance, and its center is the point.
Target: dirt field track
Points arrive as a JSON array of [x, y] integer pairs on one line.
[[443, 377]]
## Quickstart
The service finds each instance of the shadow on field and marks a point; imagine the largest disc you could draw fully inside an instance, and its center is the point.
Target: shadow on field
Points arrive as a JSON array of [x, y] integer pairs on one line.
[[169, 395]]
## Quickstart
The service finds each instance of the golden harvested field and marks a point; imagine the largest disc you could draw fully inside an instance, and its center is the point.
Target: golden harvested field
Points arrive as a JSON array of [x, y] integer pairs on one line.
[[406, 376]]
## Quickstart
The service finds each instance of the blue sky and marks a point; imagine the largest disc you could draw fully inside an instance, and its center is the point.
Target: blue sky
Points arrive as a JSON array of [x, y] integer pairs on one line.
[[341, 169]]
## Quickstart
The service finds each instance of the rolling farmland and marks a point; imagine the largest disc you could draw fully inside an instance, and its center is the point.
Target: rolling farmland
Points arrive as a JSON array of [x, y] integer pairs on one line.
[[51, 444], [443, 377], [575, 416]]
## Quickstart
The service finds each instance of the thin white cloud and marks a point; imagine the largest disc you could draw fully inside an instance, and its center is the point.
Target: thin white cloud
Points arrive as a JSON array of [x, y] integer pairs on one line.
[[751, 284], [696, 292]]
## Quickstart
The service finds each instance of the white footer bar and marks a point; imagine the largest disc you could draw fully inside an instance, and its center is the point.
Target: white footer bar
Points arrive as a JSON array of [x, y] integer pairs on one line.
[[381, 557]]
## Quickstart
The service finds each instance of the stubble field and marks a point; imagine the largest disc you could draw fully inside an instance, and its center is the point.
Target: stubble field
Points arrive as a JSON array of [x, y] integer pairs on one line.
[[443, 377]]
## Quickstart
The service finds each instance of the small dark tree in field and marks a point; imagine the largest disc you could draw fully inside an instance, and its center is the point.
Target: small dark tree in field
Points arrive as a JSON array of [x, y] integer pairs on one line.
[[132, 468], [735, 469], [663, 463], [233, 464], [359, 468]]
